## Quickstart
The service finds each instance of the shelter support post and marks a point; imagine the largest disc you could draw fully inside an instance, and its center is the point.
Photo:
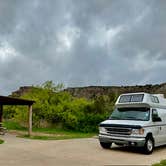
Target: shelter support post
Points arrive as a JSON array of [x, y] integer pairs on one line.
[[1, 113], [30, 120]]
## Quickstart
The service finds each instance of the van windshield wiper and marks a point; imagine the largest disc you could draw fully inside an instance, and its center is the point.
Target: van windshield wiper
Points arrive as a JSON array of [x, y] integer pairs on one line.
[[133, 118], [114, 118], [130, 117]]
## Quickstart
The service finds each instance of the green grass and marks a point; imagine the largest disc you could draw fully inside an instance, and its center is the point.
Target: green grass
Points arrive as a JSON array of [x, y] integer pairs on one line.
[[162, 163], [48, 133], [59, 137], [10, 125], [61, 131], [1, 141]]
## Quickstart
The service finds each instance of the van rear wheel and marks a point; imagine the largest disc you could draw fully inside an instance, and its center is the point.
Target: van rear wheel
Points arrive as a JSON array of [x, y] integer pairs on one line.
[[105, 145], [149, 145]]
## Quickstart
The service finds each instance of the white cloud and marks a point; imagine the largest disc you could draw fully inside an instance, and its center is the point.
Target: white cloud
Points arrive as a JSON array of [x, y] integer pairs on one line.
[[104, 37], [66, 37], [7, 52]]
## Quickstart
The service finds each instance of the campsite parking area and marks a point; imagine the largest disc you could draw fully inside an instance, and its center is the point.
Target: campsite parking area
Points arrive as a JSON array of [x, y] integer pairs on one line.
[[71, 152]]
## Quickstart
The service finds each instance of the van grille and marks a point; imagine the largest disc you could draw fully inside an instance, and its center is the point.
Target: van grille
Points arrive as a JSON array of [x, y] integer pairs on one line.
[[118, 131]]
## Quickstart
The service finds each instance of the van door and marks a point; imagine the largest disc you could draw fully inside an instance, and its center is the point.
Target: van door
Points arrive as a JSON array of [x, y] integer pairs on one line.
[[157, 127], [162, 115]]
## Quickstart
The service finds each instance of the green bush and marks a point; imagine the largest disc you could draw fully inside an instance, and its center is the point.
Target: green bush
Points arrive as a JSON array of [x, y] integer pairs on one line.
[[162, 163], [1, 141]]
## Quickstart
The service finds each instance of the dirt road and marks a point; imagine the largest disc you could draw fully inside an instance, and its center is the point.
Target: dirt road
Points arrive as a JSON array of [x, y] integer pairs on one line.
[[75, 152]]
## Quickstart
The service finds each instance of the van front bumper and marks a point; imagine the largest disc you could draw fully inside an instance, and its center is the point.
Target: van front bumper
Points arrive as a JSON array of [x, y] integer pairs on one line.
[[125, 140]]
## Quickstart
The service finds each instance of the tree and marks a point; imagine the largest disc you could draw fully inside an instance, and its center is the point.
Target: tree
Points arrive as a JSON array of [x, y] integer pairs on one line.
[[49, 85]]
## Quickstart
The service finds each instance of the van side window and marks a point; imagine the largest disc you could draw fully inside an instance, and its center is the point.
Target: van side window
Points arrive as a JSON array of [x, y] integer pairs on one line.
[[154, 113], [155, 116], [154, 99]]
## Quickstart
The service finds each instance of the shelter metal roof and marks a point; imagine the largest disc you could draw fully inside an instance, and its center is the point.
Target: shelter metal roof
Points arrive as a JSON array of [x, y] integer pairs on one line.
[[4, 100]]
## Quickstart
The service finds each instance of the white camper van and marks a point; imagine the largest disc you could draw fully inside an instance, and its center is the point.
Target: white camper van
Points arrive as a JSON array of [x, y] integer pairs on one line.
[[139, 119]]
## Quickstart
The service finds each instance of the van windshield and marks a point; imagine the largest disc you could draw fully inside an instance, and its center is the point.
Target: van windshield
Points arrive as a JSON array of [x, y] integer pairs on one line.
[[142, 114]]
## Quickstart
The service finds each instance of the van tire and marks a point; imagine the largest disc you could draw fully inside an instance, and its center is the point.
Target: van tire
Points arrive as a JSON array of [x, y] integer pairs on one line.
[[149, 145], [105, 145]]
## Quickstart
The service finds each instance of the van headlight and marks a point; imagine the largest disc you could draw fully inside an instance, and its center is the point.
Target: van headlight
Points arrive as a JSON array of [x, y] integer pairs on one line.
[[138, 131], [102, 130]]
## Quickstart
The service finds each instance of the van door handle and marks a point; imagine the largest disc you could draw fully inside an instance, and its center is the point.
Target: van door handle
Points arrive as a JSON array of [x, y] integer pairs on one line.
[[160, 128]]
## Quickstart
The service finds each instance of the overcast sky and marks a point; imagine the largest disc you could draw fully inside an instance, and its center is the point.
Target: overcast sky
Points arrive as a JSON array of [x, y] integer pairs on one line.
[[82, 42]]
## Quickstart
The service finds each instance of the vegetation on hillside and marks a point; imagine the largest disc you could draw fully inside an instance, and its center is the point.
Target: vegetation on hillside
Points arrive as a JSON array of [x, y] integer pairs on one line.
[[58, 109]]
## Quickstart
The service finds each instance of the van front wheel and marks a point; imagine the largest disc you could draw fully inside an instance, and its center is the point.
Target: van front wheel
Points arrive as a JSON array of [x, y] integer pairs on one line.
[[149, 145], [105, 145]]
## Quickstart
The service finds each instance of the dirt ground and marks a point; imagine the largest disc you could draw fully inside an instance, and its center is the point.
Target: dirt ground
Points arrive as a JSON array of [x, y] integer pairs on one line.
[[74, 152]]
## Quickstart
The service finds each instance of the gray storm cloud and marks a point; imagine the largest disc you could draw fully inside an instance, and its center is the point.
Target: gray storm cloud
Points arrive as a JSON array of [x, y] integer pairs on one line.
[[80, 43]]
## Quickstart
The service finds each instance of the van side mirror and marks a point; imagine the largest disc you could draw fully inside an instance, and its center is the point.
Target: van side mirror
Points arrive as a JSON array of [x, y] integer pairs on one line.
[[156, 119]]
